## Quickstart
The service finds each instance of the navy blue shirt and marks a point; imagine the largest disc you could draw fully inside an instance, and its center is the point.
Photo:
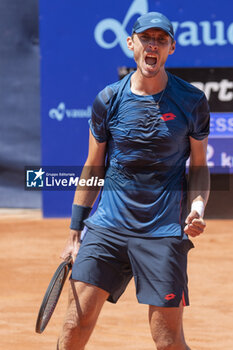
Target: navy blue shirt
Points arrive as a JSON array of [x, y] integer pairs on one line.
[[147, 148]]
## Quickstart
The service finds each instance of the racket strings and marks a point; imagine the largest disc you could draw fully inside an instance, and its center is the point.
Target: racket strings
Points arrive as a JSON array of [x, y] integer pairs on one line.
[[52, 295], [53, 298]]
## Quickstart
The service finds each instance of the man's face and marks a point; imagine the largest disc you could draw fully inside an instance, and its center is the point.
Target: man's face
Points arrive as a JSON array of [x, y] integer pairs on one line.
[[151, 49]]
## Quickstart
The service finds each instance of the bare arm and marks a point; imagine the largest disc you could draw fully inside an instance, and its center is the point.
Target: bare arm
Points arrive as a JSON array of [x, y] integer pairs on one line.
[[198, 185], [94, 166], [86, 196]]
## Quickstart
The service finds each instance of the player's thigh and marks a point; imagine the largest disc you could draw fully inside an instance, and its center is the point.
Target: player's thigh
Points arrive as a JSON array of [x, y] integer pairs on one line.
[[85, 301], [166, 324]]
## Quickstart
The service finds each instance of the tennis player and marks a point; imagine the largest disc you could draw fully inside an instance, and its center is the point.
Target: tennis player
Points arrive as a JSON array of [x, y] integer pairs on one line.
[[142, 131]]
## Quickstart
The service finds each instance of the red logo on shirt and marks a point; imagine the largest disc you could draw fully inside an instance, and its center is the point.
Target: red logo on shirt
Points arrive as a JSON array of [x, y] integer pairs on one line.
[[168, 116], [170, 296]]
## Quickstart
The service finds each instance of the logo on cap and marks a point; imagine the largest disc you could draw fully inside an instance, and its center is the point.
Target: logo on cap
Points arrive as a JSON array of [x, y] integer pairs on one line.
[[155, 20]]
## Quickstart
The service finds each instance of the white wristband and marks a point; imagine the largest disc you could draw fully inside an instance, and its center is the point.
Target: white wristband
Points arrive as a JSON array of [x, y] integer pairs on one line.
[[199, 207]]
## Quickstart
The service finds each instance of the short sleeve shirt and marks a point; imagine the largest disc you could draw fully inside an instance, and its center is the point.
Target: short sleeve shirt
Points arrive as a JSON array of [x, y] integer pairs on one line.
[[145, 190]]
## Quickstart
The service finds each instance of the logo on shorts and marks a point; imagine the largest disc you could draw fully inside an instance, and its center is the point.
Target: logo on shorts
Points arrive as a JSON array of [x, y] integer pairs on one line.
[[170, 296], [34, 178]]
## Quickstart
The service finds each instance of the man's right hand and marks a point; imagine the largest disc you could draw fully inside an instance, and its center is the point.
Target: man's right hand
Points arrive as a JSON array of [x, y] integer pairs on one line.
[[72, 245]]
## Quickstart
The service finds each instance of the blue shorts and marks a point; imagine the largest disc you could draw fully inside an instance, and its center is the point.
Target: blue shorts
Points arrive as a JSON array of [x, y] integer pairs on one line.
[[158, 265]]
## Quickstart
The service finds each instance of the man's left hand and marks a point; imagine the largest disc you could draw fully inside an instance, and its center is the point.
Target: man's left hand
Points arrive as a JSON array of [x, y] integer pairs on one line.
[[195, 224]]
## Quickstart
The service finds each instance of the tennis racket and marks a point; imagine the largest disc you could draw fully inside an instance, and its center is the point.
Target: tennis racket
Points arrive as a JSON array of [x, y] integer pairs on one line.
[[52, 295]]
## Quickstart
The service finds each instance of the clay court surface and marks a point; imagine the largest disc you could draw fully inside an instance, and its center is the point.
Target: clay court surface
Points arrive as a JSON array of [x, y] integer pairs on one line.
[[29, 253]]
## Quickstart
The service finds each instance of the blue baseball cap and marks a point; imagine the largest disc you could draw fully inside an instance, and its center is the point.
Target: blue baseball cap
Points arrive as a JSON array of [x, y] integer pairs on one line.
[[153, 20]]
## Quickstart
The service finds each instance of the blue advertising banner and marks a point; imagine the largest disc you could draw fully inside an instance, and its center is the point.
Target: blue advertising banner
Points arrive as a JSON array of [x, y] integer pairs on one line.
[[220, 155], [83, 44], [221, 126]]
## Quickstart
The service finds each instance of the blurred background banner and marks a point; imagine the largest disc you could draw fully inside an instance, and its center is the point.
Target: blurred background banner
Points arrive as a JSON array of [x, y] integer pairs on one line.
[[20, 101], [83, 48]]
